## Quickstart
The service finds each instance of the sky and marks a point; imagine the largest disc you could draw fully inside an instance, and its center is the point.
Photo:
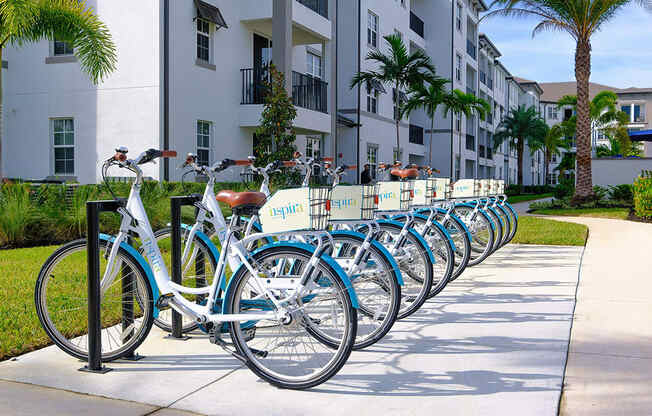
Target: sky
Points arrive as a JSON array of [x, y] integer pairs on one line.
[[621, 55]]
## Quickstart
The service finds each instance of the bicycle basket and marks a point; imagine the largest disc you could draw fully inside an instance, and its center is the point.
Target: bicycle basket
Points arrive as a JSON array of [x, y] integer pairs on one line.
[[425, 192], [353, 202], [296, 209], [466, 188], [395, 196]]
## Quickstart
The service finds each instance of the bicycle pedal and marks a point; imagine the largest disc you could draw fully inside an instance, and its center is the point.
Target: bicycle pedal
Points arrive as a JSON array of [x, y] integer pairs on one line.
[[163, 302]]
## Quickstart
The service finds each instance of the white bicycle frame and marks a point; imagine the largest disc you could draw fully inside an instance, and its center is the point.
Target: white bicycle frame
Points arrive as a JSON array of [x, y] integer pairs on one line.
[[135, 212]]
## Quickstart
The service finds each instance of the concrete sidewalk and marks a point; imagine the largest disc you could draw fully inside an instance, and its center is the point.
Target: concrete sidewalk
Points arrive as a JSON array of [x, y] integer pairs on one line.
[[610, 362], [494, 342]]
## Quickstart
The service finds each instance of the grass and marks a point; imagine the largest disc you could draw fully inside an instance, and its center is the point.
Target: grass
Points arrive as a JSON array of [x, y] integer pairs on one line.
[[615, 213], [541, 231], [20, 330], [524, 198]]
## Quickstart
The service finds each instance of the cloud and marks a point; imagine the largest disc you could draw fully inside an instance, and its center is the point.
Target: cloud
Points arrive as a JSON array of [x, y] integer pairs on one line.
[[621, 56]]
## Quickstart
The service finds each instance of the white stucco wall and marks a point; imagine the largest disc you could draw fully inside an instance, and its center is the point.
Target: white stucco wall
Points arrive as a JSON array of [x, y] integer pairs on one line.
[[618, 171]]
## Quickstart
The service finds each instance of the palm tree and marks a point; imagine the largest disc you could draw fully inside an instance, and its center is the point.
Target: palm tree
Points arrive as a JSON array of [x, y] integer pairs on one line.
[[581, 19], [469, 105], [429, 98], [552, 144], [520, 126], [396, 68], [29, 21]]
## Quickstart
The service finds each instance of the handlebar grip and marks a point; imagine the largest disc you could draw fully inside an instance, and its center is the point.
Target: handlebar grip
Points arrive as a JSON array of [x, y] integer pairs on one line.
[[169, 153], [327, 159], [242, 162], [352, 167], [120, 157], [289, 164]]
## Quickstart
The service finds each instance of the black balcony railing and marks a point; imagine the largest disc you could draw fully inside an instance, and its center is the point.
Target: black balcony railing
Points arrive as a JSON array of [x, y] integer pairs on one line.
[[253, 85], [490, 152], [309, 92], [483, 77], [470, 142], [318, 6], [416, 24], [481, 150], [416, 134], [471, 48]]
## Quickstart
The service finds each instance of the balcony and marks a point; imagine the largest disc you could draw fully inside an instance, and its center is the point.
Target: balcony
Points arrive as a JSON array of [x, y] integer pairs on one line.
[[490, 153], [416, 24], [483, 77], [470, 91], [309, 95], [416, 134], [318, 6], [470, 142], [309, 92], [471, 49]]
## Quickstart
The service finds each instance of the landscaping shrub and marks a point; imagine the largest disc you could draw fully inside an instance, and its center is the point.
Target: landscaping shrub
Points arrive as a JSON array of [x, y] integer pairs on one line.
[[601, 192], [642, 190], [46, 214], [621, 193], [566, 188], [513, 189]]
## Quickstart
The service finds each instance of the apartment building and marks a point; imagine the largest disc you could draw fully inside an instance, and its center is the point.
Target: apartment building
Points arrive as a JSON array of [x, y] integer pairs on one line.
[[637, 103], [189, 78]]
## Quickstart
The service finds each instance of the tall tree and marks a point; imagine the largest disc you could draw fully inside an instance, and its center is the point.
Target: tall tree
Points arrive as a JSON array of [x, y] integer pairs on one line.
[[581, 19], [396, 68], [520, 126], [28, 21], [552, 144]]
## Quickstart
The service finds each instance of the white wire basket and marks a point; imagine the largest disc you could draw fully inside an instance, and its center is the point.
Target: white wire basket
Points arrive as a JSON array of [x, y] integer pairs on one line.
[[296, 209]]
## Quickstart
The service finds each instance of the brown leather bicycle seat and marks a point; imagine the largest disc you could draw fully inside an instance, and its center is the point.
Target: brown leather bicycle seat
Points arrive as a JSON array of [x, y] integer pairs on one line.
[[410, 173], [239, 199]]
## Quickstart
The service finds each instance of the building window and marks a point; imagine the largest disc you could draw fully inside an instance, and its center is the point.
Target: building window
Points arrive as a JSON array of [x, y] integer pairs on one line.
[[639, 113], [457, 167], [458, 19], [398, 33], [458, 122], [203, 40], [372, 30], [552, 113], [62, 48], [313, 148], [372, 100], [458, 67], [63, 130], [203, 142], [372, 159], [313, 65]]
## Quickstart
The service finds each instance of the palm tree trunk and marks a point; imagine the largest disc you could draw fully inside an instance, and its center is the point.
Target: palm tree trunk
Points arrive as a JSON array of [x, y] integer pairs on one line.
[[584, 179], [398, 122], [519, 154], [432, 127], [547, 166], [1, 116]]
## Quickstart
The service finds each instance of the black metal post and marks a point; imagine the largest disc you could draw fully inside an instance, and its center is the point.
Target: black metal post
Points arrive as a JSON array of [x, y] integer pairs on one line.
[[93, 209], [176, 202]]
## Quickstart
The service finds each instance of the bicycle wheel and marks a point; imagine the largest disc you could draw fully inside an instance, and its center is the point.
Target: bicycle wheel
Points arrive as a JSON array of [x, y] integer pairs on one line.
[[513, 220], [461, 239], [376, 285], [480, 227], [61, 298], [504, 216], [196, 271], [309, 344], [442, 250], [413, 257], [498, 227]]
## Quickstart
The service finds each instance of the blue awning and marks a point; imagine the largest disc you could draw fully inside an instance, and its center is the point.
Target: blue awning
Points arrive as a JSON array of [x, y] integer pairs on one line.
[[641, 136]]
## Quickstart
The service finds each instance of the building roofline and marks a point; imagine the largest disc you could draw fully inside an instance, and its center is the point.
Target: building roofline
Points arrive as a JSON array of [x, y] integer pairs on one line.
[[500, 64], [491, 45]]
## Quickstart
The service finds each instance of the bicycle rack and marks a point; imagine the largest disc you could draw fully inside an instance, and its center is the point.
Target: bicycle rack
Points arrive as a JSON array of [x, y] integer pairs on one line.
[[93, 210], [176, 202]]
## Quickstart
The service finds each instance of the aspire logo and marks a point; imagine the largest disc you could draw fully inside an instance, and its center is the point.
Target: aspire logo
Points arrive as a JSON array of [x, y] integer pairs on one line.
[[386, 196], [343, 203], [286, 210], [155, 260]]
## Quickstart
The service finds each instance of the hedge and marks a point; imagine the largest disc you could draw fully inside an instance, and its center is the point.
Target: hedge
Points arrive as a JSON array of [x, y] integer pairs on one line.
[[643, 196], [50, 214]]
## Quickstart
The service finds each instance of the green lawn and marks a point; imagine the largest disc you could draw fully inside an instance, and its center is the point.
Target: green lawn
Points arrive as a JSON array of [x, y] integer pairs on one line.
[[533, 230], [615, 213], [524, 198], [20, 330]]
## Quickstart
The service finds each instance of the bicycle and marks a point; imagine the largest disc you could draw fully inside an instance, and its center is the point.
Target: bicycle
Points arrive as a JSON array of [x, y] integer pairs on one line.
[[293, 327]]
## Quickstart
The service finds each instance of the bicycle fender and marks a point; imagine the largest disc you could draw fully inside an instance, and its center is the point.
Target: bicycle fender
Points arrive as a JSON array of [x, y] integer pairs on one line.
[[380, 247], [143, 263], [438, 225], [414, 232], [211, 246], [306, 247]]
